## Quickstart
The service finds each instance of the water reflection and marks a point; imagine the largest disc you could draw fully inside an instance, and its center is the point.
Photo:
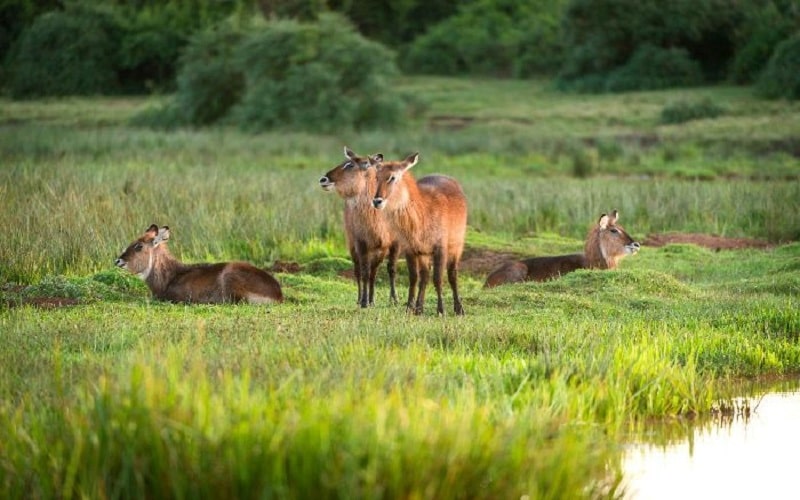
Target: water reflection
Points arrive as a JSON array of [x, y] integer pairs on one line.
[[732, 456]]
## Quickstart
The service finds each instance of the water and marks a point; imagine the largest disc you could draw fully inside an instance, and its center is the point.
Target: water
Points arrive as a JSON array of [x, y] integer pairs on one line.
[[733, 457]]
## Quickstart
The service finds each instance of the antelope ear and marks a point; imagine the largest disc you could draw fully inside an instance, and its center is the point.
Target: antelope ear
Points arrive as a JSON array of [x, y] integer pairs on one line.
[[373, 161], [348, 153], [163, 236], [411, 160], [603, 222], [151, 231], [614, 216]]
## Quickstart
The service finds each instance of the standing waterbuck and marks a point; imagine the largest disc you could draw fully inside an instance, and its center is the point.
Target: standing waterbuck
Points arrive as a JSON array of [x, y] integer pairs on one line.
[[171, 280], [606, 244], [368, 237], [430, 218]]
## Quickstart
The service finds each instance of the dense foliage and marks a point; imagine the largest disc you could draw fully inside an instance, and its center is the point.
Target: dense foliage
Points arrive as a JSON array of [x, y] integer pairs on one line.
[[85, 48], [781, 78], [492, 37], [590, 45], [66, 53], [682, 111], [768, 23], [285, 74], [395, 23]]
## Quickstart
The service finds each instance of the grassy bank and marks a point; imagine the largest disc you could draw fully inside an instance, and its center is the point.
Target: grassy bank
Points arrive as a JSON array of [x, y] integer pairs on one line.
[[529, 394]]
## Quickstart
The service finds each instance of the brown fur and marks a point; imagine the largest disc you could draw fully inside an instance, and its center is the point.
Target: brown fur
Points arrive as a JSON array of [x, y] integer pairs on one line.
[[171, 280], [606, 244], [368, 237], [430, 219]]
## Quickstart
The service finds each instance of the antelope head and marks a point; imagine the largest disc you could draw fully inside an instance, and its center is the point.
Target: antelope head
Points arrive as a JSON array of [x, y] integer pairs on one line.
[[390, 175], [614, 241], [348, 177], [139, 257]]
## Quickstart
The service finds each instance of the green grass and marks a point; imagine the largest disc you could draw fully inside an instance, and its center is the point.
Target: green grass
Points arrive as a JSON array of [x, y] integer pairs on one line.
[[532, 393]]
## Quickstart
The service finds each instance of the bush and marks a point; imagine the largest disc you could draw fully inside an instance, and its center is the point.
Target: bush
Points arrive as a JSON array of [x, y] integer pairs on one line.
[[602, 36], [492, 38], [394, 23], [781, 77], [653, 68], [148, 56], [155, 32], [209, 81], [66, 53], [766, 27], [684, 111], [315, 76], [319, 76]]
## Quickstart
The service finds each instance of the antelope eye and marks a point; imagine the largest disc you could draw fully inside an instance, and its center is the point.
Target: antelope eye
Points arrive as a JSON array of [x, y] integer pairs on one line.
[[614, 230], [347, 165], [392, 179], [138, 247]]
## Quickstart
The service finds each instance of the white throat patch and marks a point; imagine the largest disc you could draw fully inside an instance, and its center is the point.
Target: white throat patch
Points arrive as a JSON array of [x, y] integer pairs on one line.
[[146, 273]]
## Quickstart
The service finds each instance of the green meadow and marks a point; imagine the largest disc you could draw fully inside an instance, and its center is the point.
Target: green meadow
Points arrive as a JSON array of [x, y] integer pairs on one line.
[[105, 392]]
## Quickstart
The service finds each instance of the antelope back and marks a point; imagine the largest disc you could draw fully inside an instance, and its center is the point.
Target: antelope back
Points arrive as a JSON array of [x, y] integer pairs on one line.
[[608, 242]]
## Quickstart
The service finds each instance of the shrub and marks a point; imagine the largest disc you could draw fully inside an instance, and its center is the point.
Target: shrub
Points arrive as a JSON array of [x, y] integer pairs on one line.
[[315, 76], [155, 32], [655, 68], [66, 53], [767, 26], [781, 77], [209, 81], [394, 23], [684, 111], [148, 55], [493, 38], [319, 76], [602, 36]]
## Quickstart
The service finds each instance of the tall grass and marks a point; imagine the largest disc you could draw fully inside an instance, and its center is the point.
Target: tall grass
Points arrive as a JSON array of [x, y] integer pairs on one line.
[[71, 212]]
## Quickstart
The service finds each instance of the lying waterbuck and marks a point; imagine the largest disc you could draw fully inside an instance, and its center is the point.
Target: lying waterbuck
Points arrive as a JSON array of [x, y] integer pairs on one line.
[[171, 280], [430, 218], [368, 235], [606, 244]]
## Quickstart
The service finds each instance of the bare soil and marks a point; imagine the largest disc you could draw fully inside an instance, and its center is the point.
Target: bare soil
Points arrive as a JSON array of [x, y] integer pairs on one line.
[[43, 302], [282, 266], [705, 240]]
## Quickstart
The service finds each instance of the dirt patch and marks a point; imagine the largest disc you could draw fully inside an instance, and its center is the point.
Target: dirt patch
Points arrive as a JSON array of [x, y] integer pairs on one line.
[[711, 241], [43, 302], [281, 266], [347, 274], [447, 122]]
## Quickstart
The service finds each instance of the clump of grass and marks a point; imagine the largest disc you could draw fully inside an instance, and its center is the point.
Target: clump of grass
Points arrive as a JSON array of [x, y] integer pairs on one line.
[[147, 431], [104, 286], [683, 111]]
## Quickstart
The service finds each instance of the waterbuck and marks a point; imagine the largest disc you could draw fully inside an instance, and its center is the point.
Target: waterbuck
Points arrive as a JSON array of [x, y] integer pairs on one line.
[[171, 280], [429, 217], [606, 244], [368, 237]]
